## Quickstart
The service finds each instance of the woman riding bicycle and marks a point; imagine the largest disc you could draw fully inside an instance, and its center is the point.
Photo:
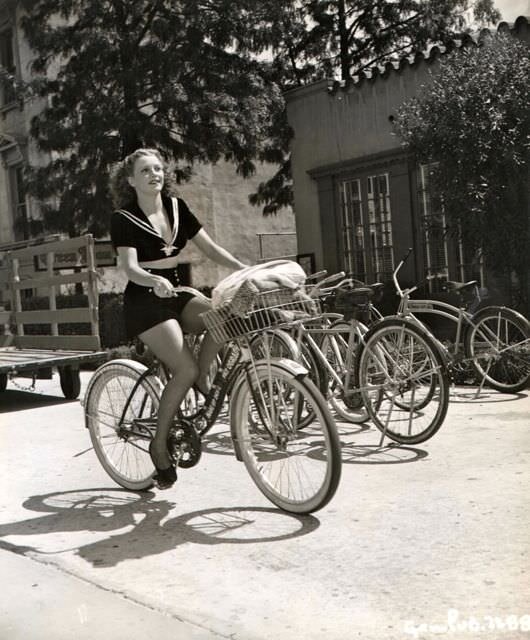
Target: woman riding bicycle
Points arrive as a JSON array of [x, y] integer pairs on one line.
[[148, 230]]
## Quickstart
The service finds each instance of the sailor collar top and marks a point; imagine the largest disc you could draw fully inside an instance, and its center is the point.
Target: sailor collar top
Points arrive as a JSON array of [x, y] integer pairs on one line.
[[130, 227]]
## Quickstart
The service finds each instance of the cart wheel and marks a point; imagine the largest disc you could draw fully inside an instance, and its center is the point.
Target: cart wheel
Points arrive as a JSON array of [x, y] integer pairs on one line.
[[3, 382], [70, 382]]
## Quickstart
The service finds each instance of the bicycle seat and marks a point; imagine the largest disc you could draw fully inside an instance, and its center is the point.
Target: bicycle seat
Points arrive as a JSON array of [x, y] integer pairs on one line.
[[360, 293], [459, 287]]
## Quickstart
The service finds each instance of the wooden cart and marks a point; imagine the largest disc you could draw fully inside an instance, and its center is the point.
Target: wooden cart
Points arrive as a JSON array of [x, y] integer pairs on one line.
[[45, 268]]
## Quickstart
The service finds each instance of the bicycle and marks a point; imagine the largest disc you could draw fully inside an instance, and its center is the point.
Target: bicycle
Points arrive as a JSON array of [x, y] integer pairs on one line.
[[494, 341], [296, 469], [392, 373]]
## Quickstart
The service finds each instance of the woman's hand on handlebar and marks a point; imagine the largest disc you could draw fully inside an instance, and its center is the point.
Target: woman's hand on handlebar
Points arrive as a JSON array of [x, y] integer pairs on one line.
[[163, 287]]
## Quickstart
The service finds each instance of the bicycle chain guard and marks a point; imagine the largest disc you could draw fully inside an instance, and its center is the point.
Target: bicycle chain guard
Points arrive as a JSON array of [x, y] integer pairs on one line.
[[184, 444]]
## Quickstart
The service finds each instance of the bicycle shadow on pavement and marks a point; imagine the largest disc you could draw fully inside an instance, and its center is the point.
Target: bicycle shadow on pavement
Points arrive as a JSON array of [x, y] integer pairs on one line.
[[462, 395], [218, 442], [112, 510], [392, 453], [13, 400], [388, 452]]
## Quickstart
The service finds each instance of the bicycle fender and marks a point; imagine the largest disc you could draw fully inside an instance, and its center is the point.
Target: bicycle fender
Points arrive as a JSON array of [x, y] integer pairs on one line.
[[291, 367]]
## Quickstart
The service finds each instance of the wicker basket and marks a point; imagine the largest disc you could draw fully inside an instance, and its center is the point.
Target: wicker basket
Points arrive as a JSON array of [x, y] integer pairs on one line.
[[269, 309]]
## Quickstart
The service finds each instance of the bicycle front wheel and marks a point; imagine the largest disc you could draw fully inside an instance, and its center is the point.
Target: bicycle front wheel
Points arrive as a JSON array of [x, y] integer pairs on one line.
[[405, 364], [498, 343], [117, 437], [296, 469]]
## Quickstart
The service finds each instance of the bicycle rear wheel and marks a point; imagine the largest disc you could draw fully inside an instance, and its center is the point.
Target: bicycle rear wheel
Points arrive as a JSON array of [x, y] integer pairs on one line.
[[118, 443], [498, 343], [340, 349], [296, 469], [414, 399]]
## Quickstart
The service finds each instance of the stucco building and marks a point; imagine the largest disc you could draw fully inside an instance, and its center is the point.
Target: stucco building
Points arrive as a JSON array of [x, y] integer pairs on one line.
[[360, 201]]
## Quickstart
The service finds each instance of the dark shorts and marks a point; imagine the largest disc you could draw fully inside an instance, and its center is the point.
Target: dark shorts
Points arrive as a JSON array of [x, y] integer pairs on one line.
[[143, 309]]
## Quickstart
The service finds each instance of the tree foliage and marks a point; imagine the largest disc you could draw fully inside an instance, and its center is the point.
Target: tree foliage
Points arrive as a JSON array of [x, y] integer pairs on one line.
[[473, 121]]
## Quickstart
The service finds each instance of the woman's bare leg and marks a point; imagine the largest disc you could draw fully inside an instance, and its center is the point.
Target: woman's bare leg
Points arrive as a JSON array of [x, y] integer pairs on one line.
[[193, 323], [166, 341]]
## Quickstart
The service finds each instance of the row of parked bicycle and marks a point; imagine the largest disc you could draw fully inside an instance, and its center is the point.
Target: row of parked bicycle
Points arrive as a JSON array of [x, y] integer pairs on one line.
[[289, 363]]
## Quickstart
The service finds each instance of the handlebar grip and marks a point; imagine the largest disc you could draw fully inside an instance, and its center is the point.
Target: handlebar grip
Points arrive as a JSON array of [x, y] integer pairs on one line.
[[317, 275], [406, 256], [334, 276]]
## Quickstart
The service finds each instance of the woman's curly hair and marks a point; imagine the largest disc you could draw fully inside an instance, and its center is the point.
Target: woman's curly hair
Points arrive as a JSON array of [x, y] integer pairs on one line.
[[122, 192]]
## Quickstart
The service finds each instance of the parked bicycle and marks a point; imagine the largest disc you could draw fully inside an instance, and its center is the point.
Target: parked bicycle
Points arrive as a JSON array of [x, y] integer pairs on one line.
[[494, 341], [393, 373], [297, 469]]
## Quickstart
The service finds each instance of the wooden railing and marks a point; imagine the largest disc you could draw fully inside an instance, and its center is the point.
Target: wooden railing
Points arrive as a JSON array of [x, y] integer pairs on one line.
[[51, 281]]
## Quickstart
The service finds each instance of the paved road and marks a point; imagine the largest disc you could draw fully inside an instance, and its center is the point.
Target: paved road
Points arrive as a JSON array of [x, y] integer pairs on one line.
[[426, 541]]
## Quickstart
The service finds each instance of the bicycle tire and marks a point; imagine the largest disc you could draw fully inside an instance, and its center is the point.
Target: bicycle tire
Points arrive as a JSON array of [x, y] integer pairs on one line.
[[349, 407], [277, 343], [487, 343], [277, 453], [386, 362], [124, 459]]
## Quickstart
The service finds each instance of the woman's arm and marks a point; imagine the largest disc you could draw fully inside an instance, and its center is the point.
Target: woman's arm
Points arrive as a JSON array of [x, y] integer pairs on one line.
[[128, 258], [216, 253]]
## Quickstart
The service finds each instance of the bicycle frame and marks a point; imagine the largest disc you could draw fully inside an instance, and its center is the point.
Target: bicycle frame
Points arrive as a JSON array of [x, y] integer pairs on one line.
[[463, 316], [238, 359], [408, 308], [304, 332], [458, 315]]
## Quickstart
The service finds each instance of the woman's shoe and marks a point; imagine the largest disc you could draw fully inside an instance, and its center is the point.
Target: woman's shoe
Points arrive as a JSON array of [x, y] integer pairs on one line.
[[164, 478]]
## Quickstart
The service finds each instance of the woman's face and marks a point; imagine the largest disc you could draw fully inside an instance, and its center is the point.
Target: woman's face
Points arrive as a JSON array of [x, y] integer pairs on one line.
[[148, 175]]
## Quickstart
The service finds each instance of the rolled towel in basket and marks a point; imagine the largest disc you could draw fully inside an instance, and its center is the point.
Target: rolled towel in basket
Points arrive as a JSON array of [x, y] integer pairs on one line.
[[240, 289]]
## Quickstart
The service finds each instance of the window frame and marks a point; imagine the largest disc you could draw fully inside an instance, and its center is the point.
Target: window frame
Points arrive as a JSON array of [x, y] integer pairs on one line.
[[8, 66], [365, 218]]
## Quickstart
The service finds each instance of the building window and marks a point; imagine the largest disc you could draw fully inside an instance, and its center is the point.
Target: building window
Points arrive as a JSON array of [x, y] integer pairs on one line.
[[18, 199], [434, 229], [7, 68], [366, 224], [352, 229], [380, 227]]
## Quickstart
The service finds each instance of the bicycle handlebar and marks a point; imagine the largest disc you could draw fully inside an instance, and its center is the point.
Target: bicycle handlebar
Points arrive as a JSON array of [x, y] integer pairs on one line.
[[396, 270], [406, 256], [319, 288], [317, 275]]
